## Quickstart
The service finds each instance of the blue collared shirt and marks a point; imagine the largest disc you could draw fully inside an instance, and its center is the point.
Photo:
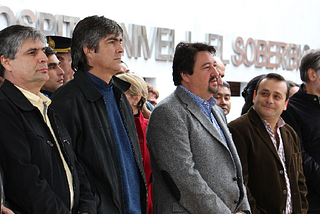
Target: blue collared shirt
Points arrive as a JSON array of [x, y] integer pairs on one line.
[[206, 106]]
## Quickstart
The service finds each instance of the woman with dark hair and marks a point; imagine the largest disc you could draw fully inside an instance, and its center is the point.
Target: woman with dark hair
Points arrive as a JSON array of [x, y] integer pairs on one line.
[[293, 87], [247, 93]]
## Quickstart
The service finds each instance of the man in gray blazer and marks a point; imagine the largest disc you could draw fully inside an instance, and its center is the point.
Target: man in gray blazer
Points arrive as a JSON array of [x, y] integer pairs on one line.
[[195, 165]]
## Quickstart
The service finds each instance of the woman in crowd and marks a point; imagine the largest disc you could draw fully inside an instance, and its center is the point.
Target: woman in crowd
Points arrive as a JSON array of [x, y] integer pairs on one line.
[[137, 96]]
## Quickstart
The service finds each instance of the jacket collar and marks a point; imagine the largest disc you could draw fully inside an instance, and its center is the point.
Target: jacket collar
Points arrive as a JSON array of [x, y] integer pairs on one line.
[[90, 91], [16, 96], [195, 110], [302, 94], [261, 130]]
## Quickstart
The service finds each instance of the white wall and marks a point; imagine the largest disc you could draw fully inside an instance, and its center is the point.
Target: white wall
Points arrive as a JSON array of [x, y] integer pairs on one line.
[[289, 21]]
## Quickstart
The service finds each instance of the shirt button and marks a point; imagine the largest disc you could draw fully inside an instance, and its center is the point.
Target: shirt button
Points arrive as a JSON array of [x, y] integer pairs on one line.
[[235, 178], [284, 192], [281, 172], [235, 201]]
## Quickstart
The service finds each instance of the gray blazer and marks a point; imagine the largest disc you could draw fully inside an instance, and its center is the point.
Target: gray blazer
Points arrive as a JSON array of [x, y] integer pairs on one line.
[[194, 171]]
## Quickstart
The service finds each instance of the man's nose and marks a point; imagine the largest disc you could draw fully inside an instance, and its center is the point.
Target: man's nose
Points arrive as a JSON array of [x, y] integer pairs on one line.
[[60, 71], [270, 99], [220, 81], [214, 72], [42, 57], [120, 48]]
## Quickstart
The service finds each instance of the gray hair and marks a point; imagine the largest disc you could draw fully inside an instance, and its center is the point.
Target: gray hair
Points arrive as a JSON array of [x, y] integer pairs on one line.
[[309, 60], [12, 38]]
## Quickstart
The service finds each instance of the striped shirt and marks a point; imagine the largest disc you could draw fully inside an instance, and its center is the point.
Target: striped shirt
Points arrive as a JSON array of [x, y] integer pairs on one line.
[[281, 154]]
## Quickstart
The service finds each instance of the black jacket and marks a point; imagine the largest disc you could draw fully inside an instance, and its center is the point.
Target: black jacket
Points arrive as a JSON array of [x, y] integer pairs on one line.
[[303, 113], [34, 177], [83, 110]]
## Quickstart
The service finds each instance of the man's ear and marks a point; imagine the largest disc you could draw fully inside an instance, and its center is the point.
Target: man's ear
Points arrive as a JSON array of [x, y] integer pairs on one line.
[[88, 51], [285, 105], [254, 95], [185, 76], [312, 74], [6, 63]]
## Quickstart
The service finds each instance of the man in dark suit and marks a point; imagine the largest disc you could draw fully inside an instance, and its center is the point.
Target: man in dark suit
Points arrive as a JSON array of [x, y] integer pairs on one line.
[[269, 151], [303, 115], [99, 118], [40, 170], [195, 165]]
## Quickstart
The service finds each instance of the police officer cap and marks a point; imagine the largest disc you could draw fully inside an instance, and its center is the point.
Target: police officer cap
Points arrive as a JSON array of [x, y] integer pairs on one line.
[[59, 43]]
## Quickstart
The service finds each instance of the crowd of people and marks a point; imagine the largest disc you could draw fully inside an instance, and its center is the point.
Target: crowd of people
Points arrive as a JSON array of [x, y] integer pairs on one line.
[[81, 133]]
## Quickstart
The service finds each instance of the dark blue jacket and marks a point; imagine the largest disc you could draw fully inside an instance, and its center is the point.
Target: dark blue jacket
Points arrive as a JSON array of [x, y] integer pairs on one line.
[[34, 177]]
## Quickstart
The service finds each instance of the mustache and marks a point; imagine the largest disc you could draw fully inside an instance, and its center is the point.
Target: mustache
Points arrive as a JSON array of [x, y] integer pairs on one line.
[[268, 105], [212, 78]]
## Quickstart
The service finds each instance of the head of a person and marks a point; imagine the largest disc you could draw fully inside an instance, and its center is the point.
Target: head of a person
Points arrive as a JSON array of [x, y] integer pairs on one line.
[[98, 38], [153, 95], [54, 70], [293, 87], [137, 93], [123, 68], [270, 97], [23, 61], [221, 69], [310, 65], [247, 93], [223, 97], [309, 71], [194, 68], [62, 45]]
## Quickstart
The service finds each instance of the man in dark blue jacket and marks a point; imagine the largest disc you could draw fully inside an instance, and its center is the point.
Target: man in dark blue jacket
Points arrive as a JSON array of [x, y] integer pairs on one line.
[[303, 113], [41, 173], [100, 120]]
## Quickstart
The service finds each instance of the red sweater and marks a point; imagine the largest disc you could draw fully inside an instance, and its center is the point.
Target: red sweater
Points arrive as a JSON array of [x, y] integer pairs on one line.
[[141, 125]]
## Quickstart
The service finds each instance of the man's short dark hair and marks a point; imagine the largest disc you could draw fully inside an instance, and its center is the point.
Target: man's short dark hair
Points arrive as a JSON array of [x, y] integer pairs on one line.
[[276, 77], [12, 37], [226, 84], [49, 51], [88, 32], [185, 58], [292, 84], [309, 60]]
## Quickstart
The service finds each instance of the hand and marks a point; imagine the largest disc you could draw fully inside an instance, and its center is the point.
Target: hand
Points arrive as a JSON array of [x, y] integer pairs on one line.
[[240, 212], [145, 111], [6, 210]]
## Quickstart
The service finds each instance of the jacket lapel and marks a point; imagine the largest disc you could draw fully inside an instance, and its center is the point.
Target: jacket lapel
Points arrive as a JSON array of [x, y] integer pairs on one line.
[[195, 110], [261, 130]]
